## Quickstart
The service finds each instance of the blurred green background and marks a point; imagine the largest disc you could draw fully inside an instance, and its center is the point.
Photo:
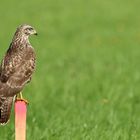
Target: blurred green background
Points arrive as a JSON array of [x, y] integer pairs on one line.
[[87, 81]]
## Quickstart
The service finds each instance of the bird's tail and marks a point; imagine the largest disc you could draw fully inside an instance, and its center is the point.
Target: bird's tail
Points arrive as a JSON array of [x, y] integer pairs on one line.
[[5, 109]]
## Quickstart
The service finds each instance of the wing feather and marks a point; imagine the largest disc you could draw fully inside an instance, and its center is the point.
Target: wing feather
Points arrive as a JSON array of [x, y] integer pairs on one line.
[[5, 109], [11, 61]]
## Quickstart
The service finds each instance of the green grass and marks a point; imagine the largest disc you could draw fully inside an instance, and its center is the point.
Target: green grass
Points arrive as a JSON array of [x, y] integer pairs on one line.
[[87, 81]]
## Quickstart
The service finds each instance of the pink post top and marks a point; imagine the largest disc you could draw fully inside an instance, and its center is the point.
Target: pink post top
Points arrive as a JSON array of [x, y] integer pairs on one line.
[[20, 120]]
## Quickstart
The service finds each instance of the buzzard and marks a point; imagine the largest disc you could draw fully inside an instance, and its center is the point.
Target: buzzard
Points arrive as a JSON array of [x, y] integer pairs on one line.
[[16, 69]]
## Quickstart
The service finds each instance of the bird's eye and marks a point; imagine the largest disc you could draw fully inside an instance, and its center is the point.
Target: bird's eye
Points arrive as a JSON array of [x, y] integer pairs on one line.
[[30, 29]]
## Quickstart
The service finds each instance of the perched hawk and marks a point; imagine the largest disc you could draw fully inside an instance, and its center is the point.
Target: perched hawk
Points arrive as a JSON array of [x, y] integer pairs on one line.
[[16, 69]]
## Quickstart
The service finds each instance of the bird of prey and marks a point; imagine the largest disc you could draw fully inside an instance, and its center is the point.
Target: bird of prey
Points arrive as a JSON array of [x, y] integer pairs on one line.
[[16, 69]]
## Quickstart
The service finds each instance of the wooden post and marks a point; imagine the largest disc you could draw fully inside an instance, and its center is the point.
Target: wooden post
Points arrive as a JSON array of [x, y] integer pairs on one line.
[[20, 120]]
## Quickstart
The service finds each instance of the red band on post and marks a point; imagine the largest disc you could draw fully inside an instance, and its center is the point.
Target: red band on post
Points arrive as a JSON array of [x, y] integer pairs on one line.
[[20, 120]]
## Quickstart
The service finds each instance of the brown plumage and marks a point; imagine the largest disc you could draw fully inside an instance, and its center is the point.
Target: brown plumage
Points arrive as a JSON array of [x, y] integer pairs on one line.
[[16, 69]]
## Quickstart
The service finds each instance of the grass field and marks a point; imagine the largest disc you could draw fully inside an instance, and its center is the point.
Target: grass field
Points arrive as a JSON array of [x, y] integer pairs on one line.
[[87, 82]]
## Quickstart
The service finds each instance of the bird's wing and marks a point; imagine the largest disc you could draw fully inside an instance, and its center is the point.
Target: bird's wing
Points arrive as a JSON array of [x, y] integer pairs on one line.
[[24, 70], [11, 61], [5, 109], [16, 71]]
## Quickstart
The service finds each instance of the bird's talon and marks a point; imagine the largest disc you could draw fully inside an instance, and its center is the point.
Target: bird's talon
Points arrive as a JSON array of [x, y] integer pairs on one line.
[[19, 97]]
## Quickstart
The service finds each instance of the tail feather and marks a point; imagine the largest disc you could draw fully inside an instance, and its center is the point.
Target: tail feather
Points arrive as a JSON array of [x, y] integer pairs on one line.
[[5, 109]]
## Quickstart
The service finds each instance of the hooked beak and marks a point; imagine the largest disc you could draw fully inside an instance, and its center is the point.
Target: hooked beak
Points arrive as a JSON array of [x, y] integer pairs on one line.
[[35, 33]]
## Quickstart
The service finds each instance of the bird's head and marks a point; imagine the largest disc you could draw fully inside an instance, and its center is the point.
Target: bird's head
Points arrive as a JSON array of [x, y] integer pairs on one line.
[[26, 30]]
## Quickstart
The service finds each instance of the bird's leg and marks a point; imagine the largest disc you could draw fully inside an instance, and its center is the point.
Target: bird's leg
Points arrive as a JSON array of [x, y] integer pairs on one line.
[[19, 97]]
